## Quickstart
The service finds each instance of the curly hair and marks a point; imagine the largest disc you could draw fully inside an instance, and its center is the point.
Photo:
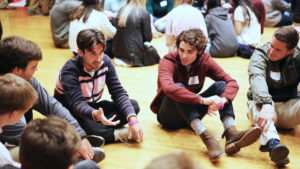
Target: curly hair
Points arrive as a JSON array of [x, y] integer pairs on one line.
[[193, 37]]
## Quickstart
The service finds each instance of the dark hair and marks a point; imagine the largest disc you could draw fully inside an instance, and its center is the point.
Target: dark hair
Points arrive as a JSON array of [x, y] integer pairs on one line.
[[193, 37], [49, 143], [85, 10], [288, 35], [16, 51], [16, 94], [88, 38], [212, 4], [243, 4]]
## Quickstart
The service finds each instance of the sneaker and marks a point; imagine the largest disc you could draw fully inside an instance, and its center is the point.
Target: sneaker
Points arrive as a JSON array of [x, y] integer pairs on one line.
[[121, 134], [279, 155], [96, 141], [99, 154], [32, 12]]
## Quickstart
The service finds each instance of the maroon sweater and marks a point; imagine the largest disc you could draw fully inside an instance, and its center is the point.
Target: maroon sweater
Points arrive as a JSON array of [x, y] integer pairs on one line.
[[171, 71]]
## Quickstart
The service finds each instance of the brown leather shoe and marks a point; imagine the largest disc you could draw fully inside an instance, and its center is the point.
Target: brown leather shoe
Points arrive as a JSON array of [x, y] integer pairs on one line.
[[213, 147], [235, 139]]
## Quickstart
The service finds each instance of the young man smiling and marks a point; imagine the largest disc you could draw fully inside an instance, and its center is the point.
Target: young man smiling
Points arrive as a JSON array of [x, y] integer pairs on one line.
[[274, 74], [181, 76]]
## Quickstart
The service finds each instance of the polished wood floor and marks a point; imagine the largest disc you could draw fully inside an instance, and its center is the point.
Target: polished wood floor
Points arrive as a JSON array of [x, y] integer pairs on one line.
[[141, 85]]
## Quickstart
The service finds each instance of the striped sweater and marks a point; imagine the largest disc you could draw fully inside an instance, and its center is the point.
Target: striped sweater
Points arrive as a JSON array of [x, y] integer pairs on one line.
[[77, 90]]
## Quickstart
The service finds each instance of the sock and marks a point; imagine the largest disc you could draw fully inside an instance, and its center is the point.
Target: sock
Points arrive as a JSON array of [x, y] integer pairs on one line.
[[227, 121], [272, 143], [197, 126]]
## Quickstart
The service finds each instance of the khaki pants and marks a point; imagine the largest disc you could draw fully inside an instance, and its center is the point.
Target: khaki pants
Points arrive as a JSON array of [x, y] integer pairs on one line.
[[287, 116]]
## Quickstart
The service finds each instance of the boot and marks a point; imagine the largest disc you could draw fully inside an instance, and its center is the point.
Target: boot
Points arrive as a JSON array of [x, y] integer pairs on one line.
[[236, 139], [213, 147]]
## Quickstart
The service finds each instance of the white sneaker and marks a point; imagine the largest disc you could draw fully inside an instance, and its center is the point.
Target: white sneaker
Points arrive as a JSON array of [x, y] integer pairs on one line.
[[120, 62]]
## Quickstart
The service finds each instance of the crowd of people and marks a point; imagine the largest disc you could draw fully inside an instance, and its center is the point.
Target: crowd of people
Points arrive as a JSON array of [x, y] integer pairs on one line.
[[79, 121]]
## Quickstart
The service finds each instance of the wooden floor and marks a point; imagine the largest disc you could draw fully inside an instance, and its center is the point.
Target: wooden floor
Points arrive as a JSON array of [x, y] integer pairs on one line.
[[141, 85]]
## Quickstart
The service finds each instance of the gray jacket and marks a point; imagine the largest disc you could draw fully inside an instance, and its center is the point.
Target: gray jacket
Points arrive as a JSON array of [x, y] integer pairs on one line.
[[60, 21], [46, 105], [221, 33], [273, 11], [263, 88]]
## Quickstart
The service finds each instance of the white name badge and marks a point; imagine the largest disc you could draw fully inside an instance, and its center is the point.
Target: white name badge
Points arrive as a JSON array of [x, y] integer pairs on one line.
[[193, 80], [163, 3], [275, 75]]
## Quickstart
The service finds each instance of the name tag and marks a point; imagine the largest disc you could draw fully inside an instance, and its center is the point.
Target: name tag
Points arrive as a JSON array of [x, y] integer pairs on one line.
[[193, 80], [163, 3], [275, 75]]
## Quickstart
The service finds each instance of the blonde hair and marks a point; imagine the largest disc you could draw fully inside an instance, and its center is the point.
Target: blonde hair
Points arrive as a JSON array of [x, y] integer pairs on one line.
[[131, 6], [173, 160], [179, 2], [16, 94]]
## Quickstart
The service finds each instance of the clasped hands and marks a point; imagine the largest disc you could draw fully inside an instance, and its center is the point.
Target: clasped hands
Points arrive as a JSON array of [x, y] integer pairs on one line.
[[214, 104]]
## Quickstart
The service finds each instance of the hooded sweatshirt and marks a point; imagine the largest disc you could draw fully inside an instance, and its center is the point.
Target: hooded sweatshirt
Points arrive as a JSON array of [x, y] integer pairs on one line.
[[221, 33]]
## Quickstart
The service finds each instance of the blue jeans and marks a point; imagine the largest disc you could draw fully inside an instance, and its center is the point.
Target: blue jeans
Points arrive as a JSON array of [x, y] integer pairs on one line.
[[175, 115]]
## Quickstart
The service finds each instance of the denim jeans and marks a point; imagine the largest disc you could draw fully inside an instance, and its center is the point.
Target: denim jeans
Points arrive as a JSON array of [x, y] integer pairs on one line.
[[175, 115]]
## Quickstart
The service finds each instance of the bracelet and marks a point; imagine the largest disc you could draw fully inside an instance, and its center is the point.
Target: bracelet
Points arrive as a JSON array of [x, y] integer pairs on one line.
[[221, 106], [133, 122]]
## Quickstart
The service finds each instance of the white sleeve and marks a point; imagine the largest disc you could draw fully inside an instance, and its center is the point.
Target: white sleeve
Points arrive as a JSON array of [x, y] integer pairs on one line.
[[238, 14]]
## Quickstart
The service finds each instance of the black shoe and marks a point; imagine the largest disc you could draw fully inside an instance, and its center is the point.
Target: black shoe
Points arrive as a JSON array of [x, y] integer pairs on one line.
[[99, 154], [96, 141], [264, 148], [279, 155]]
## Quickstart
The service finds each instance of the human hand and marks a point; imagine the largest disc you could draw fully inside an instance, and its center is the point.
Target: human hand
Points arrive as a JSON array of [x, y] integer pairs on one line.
[[265, 117], [135, 130], [86, 149], [99, 116]]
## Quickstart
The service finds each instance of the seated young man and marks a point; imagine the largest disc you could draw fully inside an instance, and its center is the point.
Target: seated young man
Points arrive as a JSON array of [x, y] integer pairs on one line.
[[51, 143], [80, 85], [273, 101], [17, 96], [177, 104], [20, 57]]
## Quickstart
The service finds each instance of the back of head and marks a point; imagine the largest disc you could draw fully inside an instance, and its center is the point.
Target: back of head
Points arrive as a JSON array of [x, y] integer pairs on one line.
[[128, 9], [16, 94], [174, 160], [16, 51], [213, 4], [49, 143], [85, 10], [288, 35], [193, 37], [88, 38]]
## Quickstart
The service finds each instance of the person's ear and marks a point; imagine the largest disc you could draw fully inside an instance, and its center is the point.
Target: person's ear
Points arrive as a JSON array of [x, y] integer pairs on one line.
[[291, 51], [17, 71], [80, 52], [12, 114]]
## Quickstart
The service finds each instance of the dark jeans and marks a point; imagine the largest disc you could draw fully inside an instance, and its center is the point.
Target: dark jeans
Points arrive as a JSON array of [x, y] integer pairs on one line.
[[175, 115], [286, 19], [92, 127]]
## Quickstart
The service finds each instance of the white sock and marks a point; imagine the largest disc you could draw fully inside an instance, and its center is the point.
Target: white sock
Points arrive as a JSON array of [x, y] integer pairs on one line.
[[197, 126], [227, 121]]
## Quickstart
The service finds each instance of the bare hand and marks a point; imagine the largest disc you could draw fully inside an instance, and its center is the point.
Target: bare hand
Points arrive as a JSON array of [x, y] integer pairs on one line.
[[86, 149], [99, 116], [135, 130], [265, 117]]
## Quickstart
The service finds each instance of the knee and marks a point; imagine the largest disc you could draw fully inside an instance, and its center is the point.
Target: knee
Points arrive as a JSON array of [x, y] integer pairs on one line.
[[220, 87], [135, 105]]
